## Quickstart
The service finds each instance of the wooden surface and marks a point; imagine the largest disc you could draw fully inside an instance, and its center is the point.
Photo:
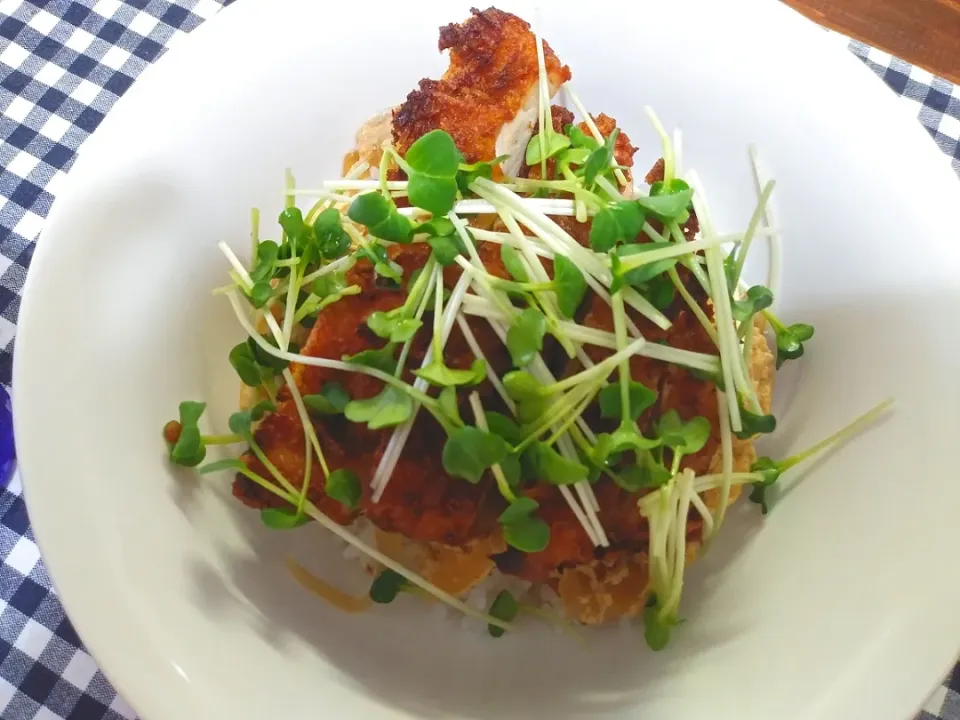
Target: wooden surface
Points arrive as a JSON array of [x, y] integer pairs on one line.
[[922, 32]]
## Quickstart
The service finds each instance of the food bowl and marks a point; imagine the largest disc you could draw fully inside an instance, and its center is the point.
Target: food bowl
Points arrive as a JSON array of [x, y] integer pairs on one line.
[[839, 602]]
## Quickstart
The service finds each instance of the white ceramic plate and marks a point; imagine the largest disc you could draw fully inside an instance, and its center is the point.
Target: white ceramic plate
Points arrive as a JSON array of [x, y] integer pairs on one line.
[[842, 604]]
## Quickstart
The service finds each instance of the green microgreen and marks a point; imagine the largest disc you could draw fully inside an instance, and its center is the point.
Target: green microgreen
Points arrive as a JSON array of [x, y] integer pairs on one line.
[[437, 373], [189, 449], [344, 486], [525, 336], [657, 625], [331, 400], [614, 224], [282, 518], [646, 473], [755, 424], [554, 143], [387, 585], [551, 467], [432, 164], [332, 240], [687, 437], [514, 263], [449, 405], [470, 172], [391, 406], [769, 470], [501, 425], [505, 607], [522, 529], [446, 248], [260, 293], [670, 203], [641, 397], [381, 217], [266, 258], [580, 139], [757, 298], [392, 325], [790, 339], [469, 452], [383, 359], [243, 361], [569, 285], [382, 264], [598, 162], [629, 268]]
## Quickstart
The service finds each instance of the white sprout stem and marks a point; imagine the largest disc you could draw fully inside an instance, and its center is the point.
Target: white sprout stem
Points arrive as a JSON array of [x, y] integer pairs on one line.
[[680, 239], [254, 233], [356, 170], [560, 241], [322, 194], [546, 206], [491, 373], [482, 307], [668, 158], [524, 246], [609, 188], [694, 307], [680, 557], [354, 185], [678, 152], [589, 520], [543, 105], [295, 357], [758, 212], [705, 513], [344, 263], [728, 354], [594, 130], [481, 420], [384, 472], [247, 281], [726, 327], [388, 562], [688, 248], [726, 459], [310, 435], [293, 288], [588, 526], [551, 233], [773, 268], [542, 373], [434, 277]]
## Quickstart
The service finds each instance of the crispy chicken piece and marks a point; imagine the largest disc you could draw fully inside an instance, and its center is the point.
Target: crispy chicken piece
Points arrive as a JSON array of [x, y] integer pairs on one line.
[[422, 502], [280, 436], [677, 390], [488, 98], [617, 585]]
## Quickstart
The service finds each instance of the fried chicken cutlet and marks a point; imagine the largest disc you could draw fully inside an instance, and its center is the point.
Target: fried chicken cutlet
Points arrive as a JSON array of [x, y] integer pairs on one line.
[[488, 97]]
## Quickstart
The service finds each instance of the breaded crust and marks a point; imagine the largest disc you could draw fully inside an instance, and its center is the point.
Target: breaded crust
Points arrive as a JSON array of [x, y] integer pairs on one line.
[[493, 69]]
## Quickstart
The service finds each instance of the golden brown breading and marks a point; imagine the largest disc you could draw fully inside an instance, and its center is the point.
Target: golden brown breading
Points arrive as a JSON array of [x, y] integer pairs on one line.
[[493, 71]]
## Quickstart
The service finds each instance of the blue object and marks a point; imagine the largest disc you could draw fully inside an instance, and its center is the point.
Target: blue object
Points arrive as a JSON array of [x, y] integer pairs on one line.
[[8, 451]]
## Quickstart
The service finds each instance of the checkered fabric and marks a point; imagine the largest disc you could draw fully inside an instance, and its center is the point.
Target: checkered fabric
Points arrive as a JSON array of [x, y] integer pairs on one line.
[[62, 66]]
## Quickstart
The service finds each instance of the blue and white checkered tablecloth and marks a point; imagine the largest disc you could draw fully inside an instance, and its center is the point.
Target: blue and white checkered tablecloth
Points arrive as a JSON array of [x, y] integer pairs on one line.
[[63, 64]]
